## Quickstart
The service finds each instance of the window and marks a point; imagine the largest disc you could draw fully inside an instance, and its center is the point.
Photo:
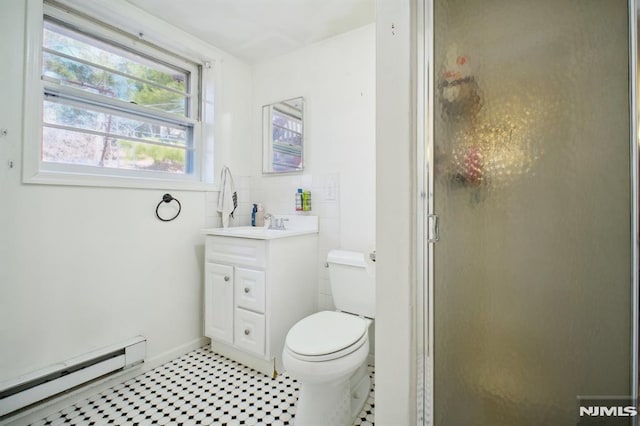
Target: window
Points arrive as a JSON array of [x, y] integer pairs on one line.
[[114, 105]]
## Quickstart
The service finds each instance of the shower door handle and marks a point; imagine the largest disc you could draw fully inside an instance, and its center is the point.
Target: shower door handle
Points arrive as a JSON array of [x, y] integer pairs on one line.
[[433, 231]]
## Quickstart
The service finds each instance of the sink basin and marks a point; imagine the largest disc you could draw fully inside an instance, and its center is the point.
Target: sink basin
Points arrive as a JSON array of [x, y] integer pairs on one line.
[[298, 225]]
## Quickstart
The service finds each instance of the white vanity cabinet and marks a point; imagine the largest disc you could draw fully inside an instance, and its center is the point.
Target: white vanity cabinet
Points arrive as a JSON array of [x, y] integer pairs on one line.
[[255, 289]]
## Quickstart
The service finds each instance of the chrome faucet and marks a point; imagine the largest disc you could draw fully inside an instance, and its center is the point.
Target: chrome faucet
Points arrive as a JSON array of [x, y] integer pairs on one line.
[[279, 223]]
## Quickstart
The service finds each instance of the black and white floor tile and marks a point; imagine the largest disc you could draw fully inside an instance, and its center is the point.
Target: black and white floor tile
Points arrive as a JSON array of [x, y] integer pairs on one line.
[[199, 388]]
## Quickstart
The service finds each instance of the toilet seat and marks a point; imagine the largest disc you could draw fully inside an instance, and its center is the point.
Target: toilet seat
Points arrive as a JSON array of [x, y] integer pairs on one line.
[[326, 335]]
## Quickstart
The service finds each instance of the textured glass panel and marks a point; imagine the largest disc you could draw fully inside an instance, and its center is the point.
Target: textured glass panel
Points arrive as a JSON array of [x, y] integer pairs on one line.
[[532, 286]]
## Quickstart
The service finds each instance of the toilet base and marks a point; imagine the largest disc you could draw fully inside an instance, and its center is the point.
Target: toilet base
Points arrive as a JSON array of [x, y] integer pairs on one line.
[[333, 404], [360, 387]]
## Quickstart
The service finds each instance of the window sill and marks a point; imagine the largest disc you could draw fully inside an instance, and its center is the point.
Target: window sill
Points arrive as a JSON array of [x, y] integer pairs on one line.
[[72, 179]]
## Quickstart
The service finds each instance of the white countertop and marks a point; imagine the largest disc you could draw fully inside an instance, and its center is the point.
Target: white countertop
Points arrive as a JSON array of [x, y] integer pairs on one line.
[[296, 225]]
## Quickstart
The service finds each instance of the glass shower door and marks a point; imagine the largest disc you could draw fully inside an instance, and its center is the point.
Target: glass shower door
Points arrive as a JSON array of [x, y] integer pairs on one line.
[[532, 275]]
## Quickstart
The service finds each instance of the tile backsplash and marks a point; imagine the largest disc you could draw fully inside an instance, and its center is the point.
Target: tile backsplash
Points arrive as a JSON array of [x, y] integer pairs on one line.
[[277, 194], [242, 215]]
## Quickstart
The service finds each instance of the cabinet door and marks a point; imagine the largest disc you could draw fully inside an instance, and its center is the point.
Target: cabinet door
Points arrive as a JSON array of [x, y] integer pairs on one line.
[[218, 305], [249, 288]]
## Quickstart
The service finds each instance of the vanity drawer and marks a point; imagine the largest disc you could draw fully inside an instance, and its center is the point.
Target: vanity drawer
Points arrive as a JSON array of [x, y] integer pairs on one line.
[[239, 251], [249, 331], [249, 289]]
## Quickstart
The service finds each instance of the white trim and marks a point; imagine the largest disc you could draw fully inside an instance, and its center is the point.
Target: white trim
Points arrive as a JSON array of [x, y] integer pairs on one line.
[[635, 221], [79, 179], [428, 259], [33, 92], [421, 327], [205, 133]]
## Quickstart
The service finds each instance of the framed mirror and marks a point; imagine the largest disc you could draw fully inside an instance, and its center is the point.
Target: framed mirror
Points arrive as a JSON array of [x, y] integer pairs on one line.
[[283, 136]]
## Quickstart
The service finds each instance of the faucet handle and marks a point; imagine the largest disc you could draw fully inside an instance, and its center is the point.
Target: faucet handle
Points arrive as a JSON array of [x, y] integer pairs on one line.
[[277, 223], [269, 217]]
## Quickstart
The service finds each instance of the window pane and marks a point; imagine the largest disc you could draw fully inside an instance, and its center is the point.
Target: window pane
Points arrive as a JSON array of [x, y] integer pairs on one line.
[[85, 63], [113, 124], [73, 147], [74, 134]]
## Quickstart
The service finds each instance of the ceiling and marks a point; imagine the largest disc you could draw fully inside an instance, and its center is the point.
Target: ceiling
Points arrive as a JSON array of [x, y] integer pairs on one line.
[[255, 30]]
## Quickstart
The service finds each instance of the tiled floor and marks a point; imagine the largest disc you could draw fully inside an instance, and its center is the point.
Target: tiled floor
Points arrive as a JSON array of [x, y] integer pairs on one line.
[[199, 388]]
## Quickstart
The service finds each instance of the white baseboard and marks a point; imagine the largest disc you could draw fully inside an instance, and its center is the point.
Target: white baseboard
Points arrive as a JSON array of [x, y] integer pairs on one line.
[[55, 404], [176, 352], [265, 366]]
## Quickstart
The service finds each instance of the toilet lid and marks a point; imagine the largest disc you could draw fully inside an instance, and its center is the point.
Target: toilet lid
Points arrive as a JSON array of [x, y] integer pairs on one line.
[[325, 332]]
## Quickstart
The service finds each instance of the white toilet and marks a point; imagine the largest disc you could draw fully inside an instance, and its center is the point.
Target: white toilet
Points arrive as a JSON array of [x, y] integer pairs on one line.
[[327, 351]]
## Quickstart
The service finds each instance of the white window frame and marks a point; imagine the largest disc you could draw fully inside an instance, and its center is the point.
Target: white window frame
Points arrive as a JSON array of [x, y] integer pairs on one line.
[[40, 172]]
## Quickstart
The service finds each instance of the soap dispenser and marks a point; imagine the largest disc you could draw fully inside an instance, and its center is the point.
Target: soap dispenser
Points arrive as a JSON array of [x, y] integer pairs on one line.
[[253, 214]]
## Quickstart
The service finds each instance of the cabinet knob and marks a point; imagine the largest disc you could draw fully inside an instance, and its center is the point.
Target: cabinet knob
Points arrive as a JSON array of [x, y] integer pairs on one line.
[[247, 289], [247, 332], [226, 277]]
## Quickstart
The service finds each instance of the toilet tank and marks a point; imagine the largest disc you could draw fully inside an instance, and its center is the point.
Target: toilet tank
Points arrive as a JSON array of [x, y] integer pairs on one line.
[[353, 282]]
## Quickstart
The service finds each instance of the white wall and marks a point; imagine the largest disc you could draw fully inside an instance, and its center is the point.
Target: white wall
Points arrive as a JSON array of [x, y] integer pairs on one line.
[[83, 267], [395, 230], [337, 79]]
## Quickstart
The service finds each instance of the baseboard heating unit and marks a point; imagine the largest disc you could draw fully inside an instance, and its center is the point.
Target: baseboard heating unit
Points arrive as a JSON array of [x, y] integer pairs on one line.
[[39, 385]]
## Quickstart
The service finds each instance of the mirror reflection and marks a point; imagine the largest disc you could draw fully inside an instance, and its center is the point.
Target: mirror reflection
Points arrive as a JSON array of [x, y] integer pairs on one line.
[[283, 142]]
